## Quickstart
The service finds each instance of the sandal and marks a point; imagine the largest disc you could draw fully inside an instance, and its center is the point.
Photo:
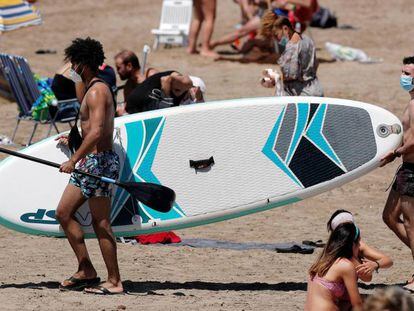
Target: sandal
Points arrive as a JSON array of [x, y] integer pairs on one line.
[[100, 290], [78, 284]]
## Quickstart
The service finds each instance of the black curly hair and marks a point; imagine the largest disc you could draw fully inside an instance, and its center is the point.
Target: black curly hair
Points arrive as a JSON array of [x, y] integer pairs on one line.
[[408, 60], [87, 52]]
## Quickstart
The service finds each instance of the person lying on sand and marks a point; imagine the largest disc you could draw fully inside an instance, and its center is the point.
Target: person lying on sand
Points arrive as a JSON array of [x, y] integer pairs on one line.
[[161, 90]]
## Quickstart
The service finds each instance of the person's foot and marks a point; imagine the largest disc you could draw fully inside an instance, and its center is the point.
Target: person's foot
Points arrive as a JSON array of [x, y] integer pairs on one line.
[[76, 284], [409, 287], [410, 280], [192, 51], [84, 274], [106, 288], [209, 53]]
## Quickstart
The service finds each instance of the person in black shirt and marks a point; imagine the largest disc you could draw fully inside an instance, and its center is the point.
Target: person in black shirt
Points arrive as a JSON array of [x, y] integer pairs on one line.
[[161, 90]]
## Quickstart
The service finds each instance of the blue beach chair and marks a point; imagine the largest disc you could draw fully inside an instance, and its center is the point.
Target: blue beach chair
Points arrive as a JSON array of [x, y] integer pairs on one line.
[[23, 85]]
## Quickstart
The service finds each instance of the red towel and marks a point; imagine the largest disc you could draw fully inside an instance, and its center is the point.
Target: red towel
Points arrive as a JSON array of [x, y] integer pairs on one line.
[[162, 237]]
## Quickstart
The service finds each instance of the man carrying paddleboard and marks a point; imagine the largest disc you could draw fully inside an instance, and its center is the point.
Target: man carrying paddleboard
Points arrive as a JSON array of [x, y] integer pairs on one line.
[[93, 154], [401, 197]]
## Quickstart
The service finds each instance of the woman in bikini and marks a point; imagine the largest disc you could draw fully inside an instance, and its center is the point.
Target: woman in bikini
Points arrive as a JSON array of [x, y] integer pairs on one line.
[[368, 259], [333, 278]]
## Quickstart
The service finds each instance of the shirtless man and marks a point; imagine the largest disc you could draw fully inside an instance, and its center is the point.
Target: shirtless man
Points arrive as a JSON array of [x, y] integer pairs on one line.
[[129, 69], [94, 155], [401, 197]]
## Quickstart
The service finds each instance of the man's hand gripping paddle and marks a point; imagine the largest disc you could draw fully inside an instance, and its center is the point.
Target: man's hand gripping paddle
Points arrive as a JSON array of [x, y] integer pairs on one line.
[[155, 196]]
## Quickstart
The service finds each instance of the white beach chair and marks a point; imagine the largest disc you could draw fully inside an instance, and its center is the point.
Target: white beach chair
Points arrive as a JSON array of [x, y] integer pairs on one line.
[[174, 24]]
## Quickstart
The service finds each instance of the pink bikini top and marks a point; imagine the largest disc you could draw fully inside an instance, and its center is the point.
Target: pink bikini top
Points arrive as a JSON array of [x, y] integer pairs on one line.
[[337, 289]]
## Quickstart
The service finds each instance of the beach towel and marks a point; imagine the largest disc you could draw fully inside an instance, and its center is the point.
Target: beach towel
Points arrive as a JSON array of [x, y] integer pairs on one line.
[[40, 108], [17, 13], [288, 247], [158, 238]]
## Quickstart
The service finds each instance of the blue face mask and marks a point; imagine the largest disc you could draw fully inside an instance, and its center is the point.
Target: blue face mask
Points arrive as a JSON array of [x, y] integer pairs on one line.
[[406, 83], [283, 41]]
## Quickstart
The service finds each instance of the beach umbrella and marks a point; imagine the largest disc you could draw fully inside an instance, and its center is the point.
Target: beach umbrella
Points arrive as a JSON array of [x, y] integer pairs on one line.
[[17, 13]]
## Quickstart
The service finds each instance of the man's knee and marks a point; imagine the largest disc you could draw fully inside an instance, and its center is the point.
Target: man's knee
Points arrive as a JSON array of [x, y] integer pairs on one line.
[[102, 226], [62, 216]]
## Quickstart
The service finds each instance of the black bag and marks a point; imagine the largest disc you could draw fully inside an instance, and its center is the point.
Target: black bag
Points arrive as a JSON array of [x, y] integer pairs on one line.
[[324, 18], [75, 139]]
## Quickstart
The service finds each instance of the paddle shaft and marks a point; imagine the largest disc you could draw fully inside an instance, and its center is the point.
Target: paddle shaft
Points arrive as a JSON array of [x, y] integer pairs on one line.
[[56, 165]]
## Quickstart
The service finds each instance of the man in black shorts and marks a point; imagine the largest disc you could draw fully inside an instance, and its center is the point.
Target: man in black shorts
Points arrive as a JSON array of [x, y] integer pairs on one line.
[[401, 198], [95, 155]]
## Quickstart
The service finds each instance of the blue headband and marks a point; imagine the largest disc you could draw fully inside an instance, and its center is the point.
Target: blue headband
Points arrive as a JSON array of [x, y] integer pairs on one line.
[[356, 233]]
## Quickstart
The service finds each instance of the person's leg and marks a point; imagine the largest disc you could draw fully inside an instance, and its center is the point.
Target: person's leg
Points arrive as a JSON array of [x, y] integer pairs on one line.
[[100, 208], [251, 25], [198, 18], [407, 208], [70, 201], [209, 10], [392, 216]]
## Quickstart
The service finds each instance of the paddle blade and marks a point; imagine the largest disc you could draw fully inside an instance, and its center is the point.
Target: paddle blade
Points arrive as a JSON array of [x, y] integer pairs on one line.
[[157, 197]]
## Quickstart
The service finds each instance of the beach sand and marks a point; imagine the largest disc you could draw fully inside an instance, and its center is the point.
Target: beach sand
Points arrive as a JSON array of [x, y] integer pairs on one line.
[[170, 278]]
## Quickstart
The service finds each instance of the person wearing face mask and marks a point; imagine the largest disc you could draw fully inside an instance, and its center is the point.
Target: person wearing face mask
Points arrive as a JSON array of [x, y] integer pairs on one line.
[[161, 90], [401, 197], [93, 153], [298, 56]]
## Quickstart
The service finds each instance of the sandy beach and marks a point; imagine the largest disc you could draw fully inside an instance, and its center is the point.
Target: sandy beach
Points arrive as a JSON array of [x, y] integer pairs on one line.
[[184, 278]]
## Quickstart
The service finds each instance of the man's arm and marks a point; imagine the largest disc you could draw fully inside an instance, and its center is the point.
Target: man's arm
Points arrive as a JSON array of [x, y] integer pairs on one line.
[[408, 146], [95, 102]]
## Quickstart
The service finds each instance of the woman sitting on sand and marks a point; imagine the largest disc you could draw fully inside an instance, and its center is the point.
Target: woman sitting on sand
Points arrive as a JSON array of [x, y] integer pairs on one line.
[[332, 278], [298, 56], [368, 259]]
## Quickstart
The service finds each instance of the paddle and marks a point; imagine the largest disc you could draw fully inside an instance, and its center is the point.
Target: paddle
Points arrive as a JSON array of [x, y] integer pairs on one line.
[[156, 196]]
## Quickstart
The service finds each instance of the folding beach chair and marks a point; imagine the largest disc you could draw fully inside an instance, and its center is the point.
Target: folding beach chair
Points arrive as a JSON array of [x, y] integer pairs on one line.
[[175, 23], [23, 85]]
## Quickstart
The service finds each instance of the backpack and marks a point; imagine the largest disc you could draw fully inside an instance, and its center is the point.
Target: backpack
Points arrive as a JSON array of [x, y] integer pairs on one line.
[[324, 18]]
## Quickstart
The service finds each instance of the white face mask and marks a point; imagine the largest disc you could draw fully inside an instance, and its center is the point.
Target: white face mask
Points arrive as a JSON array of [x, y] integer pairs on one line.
[[74, 76]]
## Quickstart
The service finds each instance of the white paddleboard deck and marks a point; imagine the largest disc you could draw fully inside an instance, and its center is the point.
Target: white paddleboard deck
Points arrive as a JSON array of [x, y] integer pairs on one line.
[[267, 152]]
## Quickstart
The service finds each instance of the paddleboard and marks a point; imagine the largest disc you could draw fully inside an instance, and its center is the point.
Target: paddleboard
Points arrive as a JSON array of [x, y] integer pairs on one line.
[[223, 159]]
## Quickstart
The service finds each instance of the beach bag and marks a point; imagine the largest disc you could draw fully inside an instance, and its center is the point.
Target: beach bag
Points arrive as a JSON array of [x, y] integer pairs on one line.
[[74, 139], [40, 108], [324, 18]]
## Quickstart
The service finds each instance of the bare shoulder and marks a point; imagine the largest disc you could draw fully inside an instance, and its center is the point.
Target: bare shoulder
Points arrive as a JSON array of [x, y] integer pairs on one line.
[[345, 265], [98, 89]]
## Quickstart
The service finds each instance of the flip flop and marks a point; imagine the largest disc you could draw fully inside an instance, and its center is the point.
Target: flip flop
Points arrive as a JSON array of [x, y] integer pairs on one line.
[[294, 249], [78, 284], [101, 291], [318, 243]]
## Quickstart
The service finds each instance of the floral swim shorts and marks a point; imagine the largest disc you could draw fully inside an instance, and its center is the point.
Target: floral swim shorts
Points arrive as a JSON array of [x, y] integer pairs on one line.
[[106, 164], [404, 180]]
